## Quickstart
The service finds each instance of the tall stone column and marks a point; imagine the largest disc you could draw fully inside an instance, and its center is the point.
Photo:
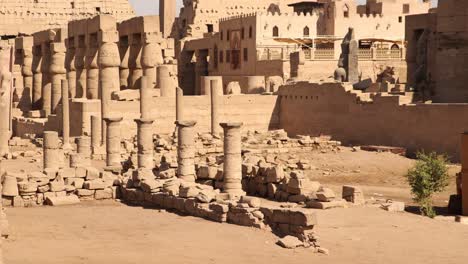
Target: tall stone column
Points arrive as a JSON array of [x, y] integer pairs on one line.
[[232, 159], [165, 82], [26, 71], [92, 69], [215, 107], [37, 77], [46, 79], [58, 73], [96, 132], [80, 56], [186, 150], [109, 63], [145, 143], [65, 115], [70, 66], [134, 61], [179, 104], [146, 98], [124, 70], [5, 105], [113, 138], [149, 58], [51, 152], [201, 68]]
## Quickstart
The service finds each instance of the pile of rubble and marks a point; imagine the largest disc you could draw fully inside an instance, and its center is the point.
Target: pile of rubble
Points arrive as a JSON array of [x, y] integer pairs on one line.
[[204, 201]]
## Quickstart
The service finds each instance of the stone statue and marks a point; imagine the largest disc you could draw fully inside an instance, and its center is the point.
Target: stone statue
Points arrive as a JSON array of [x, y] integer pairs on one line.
[[347, 70]]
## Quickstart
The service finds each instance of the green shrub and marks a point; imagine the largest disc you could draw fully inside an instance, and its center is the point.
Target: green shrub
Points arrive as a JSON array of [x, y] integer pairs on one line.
[[428, 176]]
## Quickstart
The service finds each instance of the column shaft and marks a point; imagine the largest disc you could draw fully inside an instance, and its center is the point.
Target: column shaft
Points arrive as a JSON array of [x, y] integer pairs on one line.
[[232, 159], [185, 150]]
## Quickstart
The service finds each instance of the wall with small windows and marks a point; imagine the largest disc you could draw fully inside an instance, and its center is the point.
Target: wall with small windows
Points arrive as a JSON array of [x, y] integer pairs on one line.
[[376, 19]]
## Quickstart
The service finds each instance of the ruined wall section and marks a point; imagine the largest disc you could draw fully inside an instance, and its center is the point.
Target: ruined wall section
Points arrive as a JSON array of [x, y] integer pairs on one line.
[[29, 16], [329, 109]]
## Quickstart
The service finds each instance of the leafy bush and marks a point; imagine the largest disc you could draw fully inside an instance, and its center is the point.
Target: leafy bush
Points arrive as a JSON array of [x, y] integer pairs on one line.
[[428, 176]]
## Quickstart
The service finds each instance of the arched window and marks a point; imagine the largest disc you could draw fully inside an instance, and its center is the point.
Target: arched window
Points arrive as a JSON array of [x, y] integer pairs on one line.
[[345, 11], [275, 31], [306, 31], [250, 32], [243, 33]]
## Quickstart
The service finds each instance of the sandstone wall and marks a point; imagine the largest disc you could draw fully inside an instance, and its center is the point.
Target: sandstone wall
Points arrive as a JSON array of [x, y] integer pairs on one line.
[[317, 70], [257, 112], [330, 110], [28, 16]]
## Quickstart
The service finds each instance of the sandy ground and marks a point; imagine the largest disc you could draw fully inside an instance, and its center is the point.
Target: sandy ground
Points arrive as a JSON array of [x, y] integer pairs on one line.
[[109, 232]]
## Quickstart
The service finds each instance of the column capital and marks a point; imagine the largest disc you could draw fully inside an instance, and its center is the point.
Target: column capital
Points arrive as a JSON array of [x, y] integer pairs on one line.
[[186, 123], [144, 121], [113, 119], [231, 124]]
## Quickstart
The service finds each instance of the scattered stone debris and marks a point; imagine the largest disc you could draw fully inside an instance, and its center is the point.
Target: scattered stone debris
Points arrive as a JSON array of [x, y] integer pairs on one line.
[[394, 150], [393, 206]]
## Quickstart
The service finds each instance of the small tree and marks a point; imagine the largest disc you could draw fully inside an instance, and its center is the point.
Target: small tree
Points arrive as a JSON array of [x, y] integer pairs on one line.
[[428, 176]]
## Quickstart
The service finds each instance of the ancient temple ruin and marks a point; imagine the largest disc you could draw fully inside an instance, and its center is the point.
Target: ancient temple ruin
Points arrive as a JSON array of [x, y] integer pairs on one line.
[[215, 113]]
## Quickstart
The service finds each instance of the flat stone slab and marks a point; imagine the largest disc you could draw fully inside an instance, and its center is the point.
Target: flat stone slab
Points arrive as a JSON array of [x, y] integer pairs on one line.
[[327, 205], [62, 200]]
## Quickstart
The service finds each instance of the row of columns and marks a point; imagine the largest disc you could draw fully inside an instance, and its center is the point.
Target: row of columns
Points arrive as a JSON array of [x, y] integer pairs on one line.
[[185, 132]]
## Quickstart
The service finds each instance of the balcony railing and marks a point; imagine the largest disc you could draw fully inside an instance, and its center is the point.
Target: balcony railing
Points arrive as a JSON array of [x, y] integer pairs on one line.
[[283, 53]]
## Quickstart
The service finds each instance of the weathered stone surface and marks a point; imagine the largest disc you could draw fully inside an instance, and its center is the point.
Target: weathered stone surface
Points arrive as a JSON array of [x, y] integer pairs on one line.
[[327, 205], [394, 206], [326, 195], [103, 194], [97, 184], [290, 242], [62, 200], [353, 194]]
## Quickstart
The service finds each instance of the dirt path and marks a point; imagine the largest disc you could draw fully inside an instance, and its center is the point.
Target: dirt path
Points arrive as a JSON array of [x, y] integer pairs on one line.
[[112, 233]]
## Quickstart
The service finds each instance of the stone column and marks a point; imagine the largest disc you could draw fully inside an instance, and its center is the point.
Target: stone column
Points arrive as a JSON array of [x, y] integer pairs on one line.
[[185, 150], [201, 68], [109, 63], [51, 150], [124, 70], [84, 147], [146, 98], [134, 62], [58, 73], [215, 108], [92, 69], [70, 66], [5, 105], [37, 77], [80, 55], [165, 82], [150, 57], [96, 133], [179, 104], [113, 142], [145, 143], [232, 159], [26, 71], [46, 80], [65, 115]]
